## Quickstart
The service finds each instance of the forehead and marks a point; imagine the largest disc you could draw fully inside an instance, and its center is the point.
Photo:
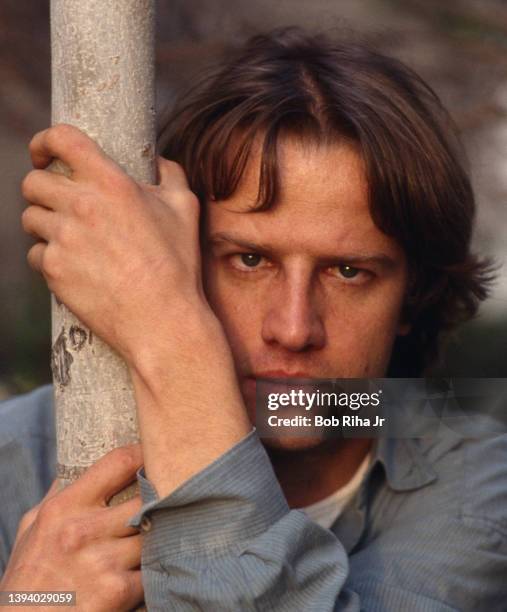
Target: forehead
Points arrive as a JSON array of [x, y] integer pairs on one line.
[[322, 202]]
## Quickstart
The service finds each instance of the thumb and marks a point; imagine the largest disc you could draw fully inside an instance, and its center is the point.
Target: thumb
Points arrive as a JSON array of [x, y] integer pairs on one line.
[[171, 176]]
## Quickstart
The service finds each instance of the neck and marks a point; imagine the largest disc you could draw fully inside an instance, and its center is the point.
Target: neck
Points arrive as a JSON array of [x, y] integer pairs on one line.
[[309, 475]]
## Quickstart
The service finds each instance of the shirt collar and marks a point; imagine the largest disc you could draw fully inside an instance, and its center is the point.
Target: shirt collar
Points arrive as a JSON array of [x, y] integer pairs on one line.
[[405, 466]]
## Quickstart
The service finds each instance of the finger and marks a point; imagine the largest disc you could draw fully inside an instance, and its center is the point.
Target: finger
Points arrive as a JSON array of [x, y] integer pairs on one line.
[[112, 473], [171, 176], [70, 145], [126, 552], [130, 551], [39, 222], [35, 256], [45, 188], [135, 588], [128, 596], [117, 517], [175, 191]]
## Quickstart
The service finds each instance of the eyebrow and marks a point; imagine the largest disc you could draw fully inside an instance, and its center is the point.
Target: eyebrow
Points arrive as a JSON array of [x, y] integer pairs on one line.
[[380, 259], [218, 237]]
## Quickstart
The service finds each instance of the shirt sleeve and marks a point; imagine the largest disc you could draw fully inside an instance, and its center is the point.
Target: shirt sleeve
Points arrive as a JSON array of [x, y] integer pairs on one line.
[[226, 540]]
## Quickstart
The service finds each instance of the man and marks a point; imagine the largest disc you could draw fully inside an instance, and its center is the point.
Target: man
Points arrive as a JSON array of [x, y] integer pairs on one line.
[[335, 242]]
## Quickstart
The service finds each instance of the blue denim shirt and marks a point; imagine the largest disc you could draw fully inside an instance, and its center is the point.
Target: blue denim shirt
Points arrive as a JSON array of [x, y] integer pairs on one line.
[[427, 530]]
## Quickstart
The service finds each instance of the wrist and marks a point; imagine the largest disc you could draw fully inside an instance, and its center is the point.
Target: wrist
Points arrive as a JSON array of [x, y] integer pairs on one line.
[[169, 337], [189, 404]]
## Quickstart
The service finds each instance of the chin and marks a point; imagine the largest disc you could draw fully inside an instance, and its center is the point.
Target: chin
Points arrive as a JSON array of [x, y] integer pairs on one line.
[[291, 443]]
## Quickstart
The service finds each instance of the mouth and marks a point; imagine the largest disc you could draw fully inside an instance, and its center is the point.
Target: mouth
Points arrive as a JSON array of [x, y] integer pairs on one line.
[[279, 374], [259, 384], [279, 380]]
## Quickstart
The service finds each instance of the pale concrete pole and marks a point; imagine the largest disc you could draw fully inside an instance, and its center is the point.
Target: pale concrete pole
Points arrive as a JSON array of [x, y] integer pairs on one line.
[[103, 83]]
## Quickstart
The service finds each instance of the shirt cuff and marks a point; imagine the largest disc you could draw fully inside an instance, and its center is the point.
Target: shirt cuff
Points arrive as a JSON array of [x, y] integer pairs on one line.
[[235, 498]]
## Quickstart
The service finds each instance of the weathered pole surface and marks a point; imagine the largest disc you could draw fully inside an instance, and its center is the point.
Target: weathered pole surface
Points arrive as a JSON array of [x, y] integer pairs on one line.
[[103, 83]]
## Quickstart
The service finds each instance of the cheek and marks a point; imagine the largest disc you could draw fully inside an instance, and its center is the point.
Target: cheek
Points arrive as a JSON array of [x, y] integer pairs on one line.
[[361, 335], [375, 348], [235, 308]]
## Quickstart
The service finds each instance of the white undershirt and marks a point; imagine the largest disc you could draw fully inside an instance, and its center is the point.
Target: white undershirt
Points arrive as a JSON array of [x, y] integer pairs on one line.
[[327, 510]]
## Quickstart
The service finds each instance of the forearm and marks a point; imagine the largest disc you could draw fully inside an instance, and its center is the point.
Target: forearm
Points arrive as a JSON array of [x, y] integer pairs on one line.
[[227, 540], [190, 409]]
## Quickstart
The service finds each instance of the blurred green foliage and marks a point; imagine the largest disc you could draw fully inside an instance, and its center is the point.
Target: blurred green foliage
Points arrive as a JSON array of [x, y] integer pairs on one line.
[[25, 352]]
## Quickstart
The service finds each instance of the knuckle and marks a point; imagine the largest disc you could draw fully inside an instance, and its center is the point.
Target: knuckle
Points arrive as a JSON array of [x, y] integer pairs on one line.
[[31, 258], [185, 199], [26, 216], [51, 265], [122, 186], [73, 535], [193, 200], [82, 206], [170, 167], [127, 457], [26, 185], [117, 587], [34, 139], [170, 164], [63, 234], [50, 512], [64, 136], [173, 167], [61, 131]]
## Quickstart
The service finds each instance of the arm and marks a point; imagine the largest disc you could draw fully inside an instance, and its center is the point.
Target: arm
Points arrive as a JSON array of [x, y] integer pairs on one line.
[[154, 313], [124, 257], [226, 540]]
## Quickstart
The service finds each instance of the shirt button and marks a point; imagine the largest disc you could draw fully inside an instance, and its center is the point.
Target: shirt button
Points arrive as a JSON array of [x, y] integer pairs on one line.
[[145, 524]]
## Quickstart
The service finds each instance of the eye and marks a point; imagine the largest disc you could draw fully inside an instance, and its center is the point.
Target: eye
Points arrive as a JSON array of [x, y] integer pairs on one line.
[[348, 271], [350, 274], [248, 262], [251, 260]]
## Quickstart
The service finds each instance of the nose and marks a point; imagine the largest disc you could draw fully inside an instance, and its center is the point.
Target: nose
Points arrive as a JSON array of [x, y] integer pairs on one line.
[[292, 319]]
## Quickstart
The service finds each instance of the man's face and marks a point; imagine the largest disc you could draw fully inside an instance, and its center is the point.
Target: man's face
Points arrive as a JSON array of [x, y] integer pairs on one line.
[[310, 287]]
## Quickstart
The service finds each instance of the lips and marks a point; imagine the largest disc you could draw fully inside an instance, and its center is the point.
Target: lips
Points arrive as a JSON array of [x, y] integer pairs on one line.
[[276, 381], [261, 384], [280, 374]]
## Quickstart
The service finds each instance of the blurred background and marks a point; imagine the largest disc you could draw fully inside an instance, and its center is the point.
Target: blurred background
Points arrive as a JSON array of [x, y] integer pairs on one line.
[[459, 47]]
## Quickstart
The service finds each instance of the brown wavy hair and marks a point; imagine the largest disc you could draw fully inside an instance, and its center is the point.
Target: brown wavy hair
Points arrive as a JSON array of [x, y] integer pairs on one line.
[[289, 82]]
